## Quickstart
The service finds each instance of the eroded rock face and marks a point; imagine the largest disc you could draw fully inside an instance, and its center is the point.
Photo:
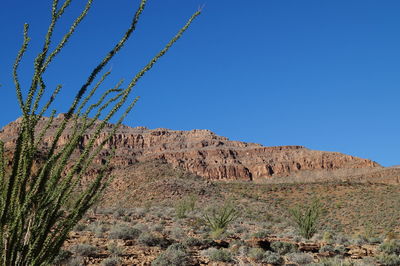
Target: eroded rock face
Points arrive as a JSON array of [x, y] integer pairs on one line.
[[203, 153]]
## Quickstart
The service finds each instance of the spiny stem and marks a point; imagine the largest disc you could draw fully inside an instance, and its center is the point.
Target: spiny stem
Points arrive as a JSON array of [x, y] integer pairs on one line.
[[17, 62]]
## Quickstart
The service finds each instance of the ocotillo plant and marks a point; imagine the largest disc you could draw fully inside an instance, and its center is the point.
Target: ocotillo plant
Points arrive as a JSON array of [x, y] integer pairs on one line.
[[307, 218], [36, 212]]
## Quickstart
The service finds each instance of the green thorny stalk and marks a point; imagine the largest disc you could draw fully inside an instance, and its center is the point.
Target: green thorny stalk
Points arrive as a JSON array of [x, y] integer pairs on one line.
[[36, 213], [307, 218]]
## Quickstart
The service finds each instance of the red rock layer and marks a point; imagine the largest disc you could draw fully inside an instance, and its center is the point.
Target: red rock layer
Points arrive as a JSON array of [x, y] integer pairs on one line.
[[204, 153]]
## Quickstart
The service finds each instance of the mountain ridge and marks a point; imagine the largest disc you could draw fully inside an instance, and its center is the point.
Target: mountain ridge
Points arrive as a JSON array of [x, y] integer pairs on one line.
[[203, 153]]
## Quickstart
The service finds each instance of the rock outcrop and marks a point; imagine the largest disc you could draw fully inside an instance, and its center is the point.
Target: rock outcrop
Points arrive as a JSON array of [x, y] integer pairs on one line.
[[204, 153]]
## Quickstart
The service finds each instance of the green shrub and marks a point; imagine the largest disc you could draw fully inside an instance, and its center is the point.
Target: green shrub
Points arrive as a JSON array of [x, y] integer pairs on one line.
[[243, 251], [222, 255], [256, 253], [114, 249], [84, 250], [390, 247], [262, 234], [239, 229], [217, 234], [388, 259], [341, 239], [336, 261], [375, 240], [62, 257], [272, 258], [283, 247], [360, 240], [138, 213], [176, 254], [98, 228], [333, 249], [300, 258], [141, 227], [118, 213], [157, 227], [327, 248], [193, 242], [80, 227], [307, 218], [185, 205], [327, 237], [177, 233], [367, 261], [219, 218], [149, 239], [341, 249], [113, 261], [123, 232], [260, 255], [77, 261]]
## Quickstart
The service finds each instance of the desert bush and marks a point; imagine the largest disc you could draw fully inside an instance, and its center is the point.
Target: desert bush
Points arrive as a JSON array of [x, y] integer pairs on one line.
[[193, 242], [369, 230], [360, 240], [177, 233], [222, 255], [327, 248], [124, 232], [40, 205], [138, 213], [219, 218], [388, 259], [62, 257], [80, 227], [335, 261], [300, 258], [149, 239], [113, 261], [104, 211], [185, 205], [327, 237], [126, 219], [363, 239], [333, 249], [272, 258], [283, 247], [239, 229], [157, 227], [261, 234], [374, 240], [307, 218], [341, 239], [390, 247], [98, 228], [256, 254], [114, 249], [77, 261], [366, 261], [118, 213], [235, 245], [243, 251], [85, 250], [176, 254], [141, 227], [260, 255], [341, 249]]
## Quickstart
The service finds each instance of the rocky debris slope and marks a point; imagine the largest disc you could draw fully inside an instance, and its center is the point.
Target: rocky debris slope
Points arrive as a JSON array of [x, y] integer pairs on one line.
[[204, 153]]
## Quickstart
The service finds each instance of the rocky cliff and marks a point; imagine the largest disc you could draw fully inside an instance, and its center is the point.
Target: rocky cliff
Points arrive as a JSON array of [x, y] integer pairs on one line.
[[204, 153]]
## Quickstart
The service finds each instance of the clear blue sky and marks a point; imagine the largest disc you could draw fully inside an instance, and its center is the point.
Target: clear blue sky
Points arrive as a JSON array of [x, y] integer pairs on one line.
[[323, 74]]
